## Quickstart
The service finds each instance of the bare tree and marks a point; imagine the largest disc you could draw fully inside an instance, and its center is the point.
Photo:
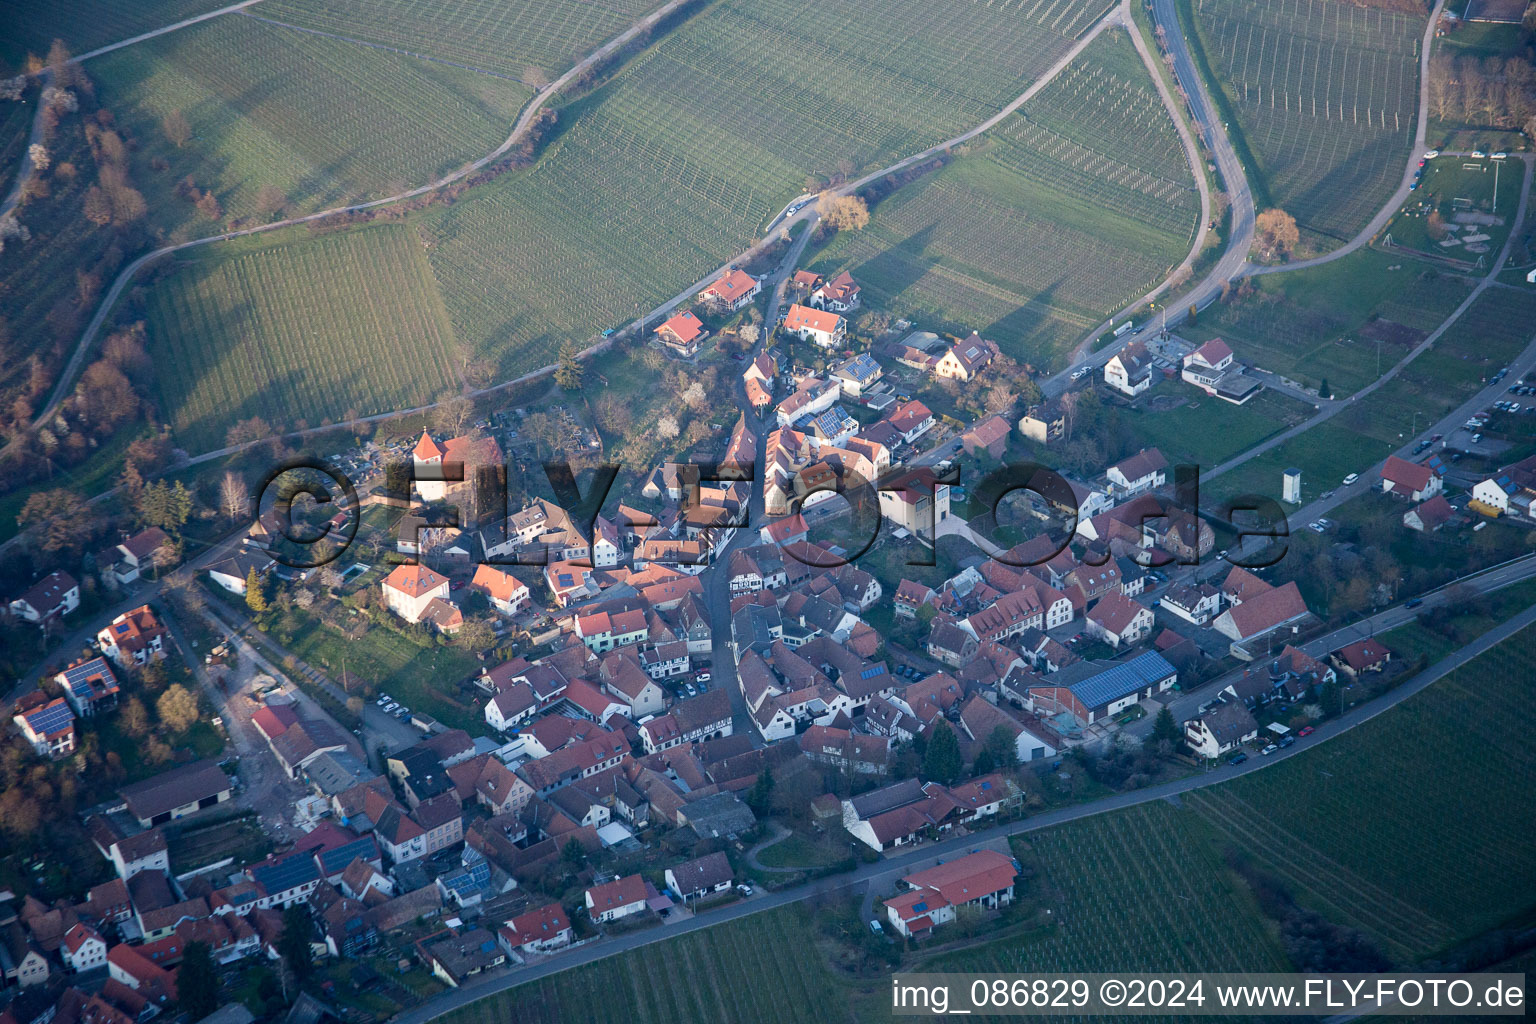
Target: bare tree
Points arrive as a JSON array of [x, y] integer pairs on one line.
[[234, 496], [177, 131], [452, 414]]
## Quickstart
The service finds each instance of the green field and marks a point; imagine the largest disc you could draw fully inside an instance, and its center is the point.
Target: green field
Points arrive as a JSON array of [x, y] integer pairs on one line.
[[1417, 827], [710, 132], [33, 25], [1321, 323], [299, 334], [326, 122], [1485, 338], [1325, 93], [760, 970], [509, 39], [1072, 208], [1206, 431]]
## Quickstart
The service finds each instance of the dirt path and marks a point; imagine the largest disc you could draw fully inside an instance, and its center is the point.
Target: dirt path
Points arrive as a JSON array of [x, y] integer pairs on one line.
[[780, 833], [24, 172]]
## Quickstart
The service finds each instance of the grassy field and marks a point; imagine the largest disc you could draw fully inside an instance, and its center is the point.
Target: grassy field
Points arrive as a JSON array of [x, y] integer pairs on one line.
[[1206, 431], [1323, 323], [1461, 190], [326, 122], [1073, 207], [298, 334], [1484, 339], [699, 185], [31, 26], [535, 40], [1417, 826], [1325, 94]]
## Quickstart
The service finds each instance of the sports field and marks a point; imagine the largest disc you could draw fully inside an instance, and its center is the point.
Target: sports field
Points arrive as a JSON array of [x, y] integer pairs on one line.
[[711, 132], [325, 122], [298, 334], [31, 26], [517, 39], [1072, 208], [1326, 93]]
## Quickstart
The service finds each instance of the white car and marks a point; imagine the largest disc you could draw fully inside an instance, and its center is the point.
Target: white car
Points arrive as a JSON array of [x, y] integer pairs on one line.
[[1431, 154], [1499, 156], [390, 708], [1351, 479], [1316, 527], [703, 677], [1269, 750], [1478, 154]]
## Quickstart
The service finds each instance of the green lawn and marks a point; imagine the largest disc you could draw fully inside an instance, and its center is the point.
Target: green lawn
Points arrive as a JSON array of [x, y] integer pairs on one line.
[[1205, 431], [1325, 95], [325, 122], [422, 678], [1067, 211], [797, 851], [299, 334]]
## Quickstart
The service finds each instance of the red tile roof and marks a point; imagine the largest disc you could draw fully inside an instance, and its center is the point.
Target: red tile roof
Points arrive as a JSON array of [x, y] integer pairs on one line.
[[414, 580], [685, 327]]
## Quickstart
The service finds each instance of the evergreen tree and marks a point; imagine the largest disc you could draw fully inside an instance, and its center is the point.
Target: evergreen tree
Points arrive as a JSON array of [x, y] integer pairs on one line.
[[255, 600], [1330, 701], [762, 792], [1165, 729], [1003, 748], [570, 371], [293, 943], [197, 981], [941, 761]]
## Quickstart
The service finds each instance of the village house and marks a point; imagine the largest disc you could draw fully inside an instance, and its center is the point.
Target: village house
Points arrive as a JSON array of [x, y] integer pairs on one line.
[[1212, 369], [1193, 602], [824, 328], [1363, 656], [915, 501], [48, 726], [616, 899], [1262, 613], [982, 879], [410, 590], [506, 593], [1044, 423], [732, 290], [1429, 516], [458, 956], [541, 930], [700, 877], [855, 374], [54, 595], [126, 562], [1129, 371], [134, 637], [232, 573], [1145, 471], [966, 358], [448, 471], [683, 334], [1220, 729], [89, 684], [1119, 621], [840, 295], [1412, 480]]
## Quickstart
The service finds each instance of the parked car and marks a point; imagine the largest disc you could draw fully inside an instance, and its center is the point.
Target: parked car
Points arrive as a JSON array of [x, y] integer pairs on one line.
[[1305, 730], [703, 677], [383, 699], [403, 714], [1413, 602], [1269, 750], [389, 708], [1237, 758], [1351, 479], [874, 926], [745, 888], [1287, 741]]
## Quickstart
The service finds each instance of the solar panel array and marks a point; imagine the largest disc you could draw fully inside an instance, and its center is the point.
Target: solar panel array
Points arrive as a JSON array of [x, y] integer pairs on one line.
[[78, 678], [50, 718]]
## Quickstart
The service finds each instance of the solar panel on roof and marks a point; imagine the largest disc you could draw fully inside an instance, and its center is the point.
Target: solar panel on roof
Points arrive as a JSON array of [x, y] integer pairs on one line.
[[50, 719]]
